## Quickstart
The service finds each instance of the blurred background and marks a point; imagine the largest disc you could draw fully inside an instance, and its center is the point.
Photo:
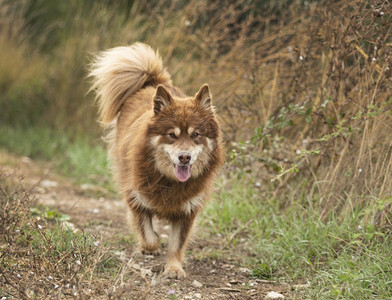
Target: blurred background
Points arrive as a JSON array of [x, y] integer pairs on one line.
[[303, 92], [303, 88]]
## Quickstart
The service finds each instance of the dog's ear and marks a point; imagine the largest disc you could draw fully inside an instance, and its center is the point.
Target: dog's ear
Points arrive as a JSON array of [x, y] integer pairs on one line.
[[162, 99], [203, 96]]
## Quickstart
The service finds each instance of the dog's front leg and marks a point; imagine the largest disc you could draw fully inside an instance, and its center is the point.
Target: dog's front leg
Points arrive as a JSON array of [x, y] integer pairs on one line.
[[180, 229], [148, 238]]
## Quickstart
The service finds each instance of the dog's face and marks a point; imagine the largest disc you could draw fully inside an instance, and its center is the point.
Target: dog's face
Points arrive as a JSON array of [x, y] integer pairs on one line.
[[184, 133]]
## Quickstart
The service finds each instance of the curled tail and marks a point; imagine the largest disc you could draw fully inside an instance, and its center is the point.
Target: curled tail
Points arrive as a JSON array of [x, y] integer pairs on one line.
[[120, 72]]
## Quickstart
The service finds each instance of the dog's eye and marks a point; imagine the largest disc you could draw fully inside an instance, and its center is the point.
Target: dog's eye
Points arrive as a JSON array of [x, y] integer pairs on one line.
[[195, 135], [172, 135]]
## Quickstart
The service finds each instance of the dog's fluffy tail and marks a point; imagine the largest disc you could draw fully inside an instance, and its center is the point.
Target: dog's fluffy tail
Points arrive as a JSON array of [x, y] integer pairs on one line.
[[120, 72]]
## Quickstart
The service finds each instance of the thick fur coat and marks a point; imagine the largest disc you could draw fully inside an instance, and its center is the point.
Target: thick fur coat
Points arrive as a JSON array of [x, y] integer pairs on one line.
[[166, 147]]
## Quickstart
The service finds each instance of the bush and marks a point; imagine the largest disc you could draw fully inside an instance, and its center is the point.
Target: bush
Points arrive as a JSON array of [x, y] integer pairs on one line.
[[301, 87]]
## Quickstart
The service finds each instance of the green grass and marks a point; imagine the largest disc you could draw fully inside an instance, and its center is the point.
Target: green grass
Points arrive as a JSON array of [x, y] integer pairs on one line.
[[80, 157], [341, 258]]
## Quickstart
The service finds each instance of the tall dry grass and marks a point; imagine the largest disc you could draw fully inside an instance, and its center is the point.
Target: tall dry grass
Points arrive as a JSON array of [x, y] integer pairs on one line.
[[306, 83]]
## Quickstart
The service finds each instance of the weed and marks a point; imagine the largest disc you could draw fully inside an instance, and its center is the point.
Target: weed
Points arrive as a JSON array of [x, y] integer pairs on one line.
[[341, 257], [49, 214], [39, 258], [262, 271]]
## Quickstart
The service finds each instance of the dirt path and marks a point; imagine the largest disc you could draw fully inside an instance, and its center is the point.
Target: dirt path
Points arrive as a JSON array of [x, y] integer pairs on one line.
[[208, 276]]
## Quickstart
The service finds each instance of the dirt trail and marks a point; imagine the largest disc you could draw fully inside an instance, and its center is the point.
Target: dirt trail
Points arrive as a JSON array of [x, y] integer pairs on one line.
[[208, 277]]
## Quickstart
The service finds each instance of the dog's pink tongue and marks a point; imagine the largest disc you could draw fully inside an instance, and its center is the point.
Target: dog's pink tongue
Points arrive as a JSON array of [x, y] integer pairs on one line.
[[183, 173]]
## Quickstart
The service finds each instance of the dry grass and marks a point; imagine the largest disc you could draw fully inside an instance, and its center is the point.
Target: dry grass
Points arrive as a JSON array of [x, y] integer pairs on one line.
[[42, 257], [313, 79], [303, 92]]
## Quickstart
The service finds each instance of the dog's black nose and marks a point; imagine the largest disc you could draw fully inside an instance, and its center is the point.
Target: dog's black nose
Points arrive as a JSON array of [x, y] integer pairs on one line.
[[184, 157]]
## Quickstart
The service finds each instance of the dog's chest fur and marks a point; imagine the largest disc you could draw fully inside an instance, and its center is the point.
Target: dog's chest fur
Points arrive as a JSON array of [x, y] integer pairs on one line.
[[166, 197]]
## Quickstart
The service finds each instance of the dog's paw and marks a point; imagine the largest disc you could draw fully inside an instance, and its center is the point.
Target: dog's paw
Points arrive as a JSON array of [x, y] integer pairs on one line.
[[174, 272], [155, 252]]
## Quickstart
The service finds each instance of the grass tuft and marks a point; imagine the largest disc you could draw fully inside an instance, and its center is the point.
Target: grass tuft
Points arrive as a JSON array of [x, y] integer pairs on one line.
[[41, 258], [342, 257]]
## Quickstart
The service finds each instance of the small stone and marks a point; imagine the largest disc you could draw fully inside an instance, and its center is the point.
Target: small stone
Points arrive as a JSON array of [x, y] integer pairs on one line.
[[233, 281], [244, 270], [49, 183], [146, 272], [26, 160], [263, 281], [86, 186], [301, 286], [197, 295], [197, 284], [39, 190], [274, 295], [227, 266]]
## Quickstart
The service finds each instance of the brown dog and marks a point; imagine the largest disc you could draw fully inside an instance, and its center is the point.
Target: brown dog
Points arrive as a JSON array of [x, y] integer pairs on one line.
[[166, 147]]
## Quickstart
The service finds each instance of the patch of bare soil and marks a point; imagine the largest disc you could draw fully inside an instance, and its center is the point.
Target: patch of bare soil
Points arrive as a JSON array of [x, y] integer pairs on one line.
[[207, 277]]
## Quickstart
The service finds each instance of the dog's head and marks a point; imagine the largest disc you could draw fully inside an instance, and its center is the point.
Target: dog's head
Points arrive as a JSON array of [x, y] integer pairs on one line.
[[184, 133]]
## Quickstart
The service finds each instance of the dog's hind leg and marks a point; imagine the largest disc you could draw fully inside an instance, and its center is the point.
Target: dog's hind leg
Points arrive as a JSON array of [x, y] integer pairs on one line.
[[180, 230]]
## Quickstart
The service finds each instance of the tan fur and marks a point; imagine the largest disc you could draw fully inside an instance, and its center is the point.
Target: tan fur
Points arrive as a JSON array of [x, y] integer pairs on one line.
[[120, 72], [166, 146]]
